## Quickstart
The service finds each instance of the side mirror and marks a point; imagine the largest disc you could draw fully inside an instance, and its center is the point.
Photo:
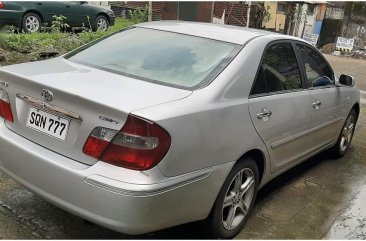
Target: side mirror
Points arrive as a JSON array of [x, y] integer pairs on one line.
[[345, 80]]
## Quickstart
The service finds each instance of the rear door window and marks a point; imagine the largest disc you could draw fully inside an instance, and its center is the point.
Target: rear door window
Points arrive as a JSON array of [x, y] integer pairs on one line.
[[279, 70]]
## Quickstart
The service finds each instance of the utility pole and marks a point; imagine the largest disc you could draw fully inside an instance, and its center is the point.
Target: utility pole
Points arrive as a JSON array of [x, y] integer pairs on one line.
[[248, 13], [149, 16], [305, 21]]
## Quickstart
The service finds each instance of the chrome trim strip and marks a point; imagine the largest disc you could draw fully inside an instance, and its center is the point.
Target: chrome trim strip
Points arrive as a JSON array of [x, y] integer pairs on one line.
[[314, 151], [11, 11], [145, 189], [306, 156], [324, 125], [48, 107], [286, 140]]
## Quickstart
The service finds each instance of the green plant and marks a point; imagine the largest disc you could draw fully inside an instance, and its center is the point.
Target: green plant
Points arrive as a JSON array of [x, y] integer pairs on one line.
[[21, 43], [90, 27], [262, 13], [59, 23], [23, 47], [138, 15], [298, 15], [11, 29]]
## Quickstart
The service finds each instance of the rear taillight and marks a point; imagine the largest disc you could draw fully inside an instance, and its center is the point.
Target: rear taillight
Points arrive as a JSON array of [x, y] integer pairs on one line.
[[140, 144], [2, 5], [98, 141], [5, 108]]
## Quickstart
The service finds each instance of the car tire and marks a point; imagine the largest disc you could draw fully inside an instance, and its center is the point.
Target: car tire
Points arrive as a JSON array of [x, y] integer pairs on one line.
[[31, 23], [101, 23], [345, 137], [235, 201]]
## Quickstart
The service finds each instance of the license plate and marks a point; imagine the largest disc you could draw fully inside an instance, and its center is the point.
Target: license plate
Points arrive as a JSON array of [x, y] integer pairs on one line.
[[48, 124]]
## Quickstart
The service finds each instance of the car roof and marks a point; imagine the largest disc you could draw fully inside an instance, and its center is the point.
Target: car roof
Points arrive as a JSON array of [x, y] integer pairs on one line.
[[221, 32]]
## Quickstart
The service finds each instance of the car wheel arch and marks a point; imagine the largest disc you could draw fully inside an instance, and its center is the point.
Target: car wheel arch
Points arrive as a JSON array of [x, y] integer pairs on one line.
[[356, 107], [258, 156], [104, 15], [35, 12], [255, 155], [95, 20]]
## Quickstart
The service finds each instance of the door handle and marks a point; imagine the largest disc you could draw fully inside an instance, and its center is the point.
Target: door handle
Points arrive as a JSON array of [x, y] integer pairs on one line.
[[264, 115], [317, 104], [39, 4]]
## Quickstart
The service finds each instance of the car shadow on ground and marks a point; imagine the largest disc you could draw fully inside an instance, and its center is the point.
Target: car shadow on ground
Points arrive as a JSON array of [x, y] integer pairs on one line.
[[291, 175]]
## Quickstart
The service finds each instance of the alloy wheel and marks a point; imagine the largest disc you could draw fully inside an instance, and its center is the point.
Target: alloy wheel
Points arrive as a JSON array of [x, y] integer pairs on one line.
[[238, 199], [32, 24], [347, 133], [102, 24]]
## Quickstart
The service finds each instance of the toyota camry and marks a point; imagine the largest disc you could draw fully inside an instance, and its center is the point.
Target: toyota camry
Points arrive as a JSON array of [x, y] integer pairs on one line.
[[166, 123]]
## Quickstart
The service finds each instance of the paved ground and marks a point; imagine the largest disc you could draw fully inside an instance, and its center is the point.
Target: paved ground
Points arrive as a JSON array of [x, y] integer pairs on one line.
[[321, 198], [347, 65]]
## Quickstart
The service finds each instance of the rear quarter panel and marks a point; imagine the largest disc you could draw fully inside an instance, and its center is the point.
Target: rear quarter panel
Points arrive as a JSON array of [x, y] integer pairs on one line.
[[92, 11], [18, 6], [85, 11], [13, 13], [212, 126]]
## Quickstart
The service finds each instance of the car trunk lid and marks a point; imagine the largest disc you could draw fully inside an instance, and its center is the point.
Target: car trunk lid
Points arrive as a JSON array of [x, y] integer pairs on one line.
[[84, 96]]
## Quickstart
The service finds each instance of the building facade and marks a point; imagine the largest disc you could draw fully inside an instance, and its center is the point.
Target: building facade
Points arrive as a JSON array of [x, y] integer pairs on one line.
[[295, 18]]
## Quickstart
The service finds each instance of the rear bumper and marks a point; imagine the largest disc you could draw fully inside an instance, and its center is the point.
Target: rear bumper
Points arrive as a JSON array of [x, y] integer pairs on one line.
[[112, 20], [90, 192]]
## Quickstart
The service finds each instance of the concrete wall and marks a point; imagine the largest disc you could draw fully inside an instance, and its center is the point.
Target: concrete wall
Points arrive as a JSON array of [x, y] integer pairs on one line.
[[299, 26], [334, 13], [277, 19], [312, 22], [356, 30], [354, 20]]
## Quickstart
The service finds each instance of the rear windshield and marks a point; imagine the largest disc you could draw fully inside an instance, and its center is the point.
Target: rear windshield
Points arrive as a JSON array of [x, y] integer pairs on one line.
[[158, 56]]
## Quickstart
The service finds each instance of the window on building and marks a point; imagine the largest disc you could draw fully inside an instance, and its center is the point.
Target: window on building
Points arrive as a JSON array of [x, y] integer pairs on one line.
[[311, 9], [281, 8]]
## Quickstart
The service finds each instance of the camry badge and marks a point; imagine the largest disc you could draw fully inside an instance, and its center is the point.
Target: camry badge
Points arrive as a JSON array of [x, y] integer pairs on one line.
[[47, 95], [104, 118]]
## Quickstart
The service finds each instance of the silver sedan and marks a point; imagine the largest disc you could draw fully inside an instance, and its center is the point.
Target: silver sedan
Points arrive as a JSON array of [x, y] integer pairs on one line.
[[166, 123]]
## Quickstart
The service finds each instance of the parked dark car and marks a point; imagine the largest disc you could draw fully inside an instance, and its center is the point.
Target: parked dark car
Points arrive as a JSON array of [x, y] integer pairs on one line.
[[30, 16]]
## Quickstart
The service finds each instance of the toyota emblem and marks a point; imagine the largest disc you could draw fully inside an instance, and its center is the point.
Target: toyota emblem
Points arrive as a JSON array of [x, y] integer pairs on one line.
[[47, 95]]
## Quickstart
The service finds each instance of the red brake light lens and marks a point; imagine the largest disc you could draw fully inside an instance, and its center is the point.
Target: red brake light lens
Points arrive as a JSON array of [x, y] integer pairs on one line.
[[5, 108], [2, 5], [98, 141], [140, 145]]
